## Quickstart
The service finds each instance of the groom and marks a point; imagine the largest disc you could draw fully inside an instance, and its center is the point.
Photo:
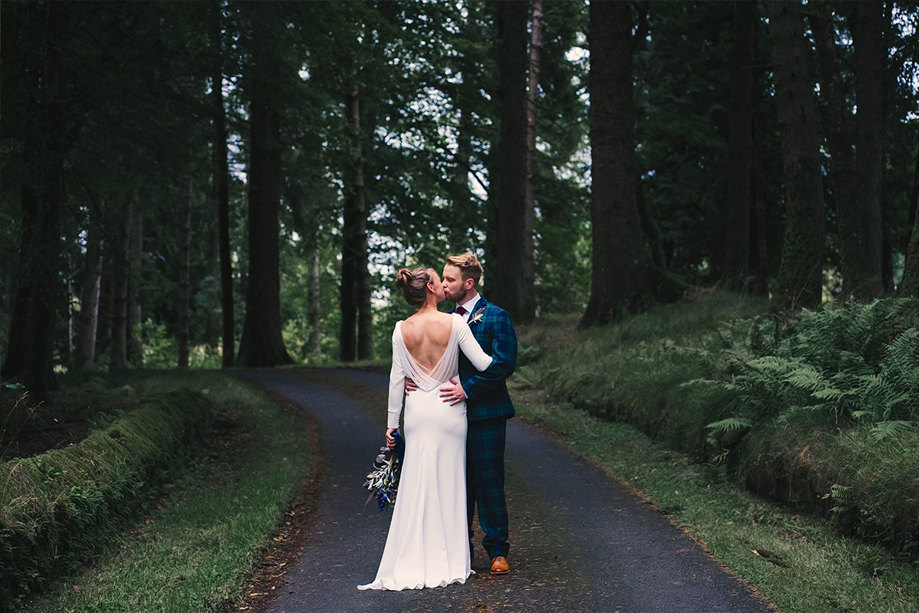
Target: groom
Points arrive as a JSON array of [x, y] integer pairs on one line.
[[488, 405]]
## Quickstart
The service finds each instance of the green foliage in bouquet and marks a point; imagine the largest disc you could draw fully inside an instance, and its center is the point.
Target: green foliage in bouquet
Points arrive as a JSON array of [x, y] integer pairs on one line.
[[383, 480]]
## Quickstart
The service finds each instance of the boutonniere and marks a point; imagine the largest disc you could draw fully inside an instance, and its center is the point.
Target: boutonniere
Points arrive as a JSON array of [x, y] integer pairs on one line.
[[477, 316]]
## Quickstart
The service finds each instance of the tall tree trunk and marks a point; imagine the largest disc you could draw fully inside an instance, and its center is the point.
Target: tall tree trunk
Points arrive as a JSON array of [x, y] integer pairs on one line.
[[466, 211], [347, 337], [890, 246], [89, 295], [909, 285], [869, 82], [183, 332], [913, 214], [222, 190], [353, 219], [262, 343], [364, 312], [212, 327], [464, 206], [121, 224], [313, 313], [529, 265], [106, 296], [39, 293], [801, 270], [135, 256], [838, 128], [364, 293], [760, 285], [355, 278], [651, 230], [508, 284], [740, 146], [68, 348], [887, 253], [620, 272]]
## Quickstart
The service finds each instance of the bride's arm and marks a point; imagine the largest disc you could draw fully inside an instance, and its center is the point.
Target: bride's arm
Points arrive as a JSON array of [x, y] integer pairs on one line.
[[504, 354], [479, 359], [396, 386]]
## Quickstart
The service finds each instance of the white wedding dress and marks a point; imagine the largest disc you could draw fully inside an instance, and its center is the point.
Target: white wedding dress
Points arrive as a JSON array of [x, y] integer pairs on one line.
[[428, 541]]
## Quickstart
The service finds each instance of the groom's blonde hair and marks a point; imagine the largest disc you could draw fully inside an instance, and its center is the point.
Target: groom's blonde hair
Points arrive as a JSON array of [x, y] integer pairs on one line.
[[468, 264]]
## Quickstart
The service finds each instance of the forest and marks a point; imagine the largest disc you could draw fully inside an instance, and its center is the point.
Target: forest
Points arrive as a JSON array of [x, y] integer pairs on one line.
[[702, 217], [234, 183]]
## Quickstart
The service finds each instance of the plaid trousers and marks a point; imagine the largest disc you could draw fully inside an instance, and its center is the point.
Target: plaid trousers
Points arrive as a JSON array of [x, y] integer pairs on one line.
[[485, 482]]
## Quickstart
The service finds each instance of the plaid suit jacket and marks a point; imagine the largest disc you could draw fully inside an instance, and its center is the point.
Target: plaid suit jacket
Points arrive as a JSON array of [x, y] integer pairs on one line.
[[486, 391]]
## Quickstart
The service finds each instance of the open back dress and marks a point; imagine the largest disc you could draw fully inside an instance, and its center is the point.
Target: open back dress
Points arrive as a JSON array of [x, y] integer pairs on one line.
[[428, 540]]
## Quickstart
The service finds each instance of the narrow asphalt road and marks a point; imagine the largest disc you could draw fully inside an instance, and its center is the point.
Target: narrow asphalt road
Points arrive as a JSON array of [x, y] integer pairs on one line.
[[580, 541]]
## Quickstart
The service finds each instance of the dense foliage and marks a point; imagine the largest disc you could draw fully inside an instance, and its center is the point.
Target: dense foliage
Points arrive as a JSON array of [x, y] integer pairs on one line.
[[134, 159], [843, 364], [824, 413], [818, 411]]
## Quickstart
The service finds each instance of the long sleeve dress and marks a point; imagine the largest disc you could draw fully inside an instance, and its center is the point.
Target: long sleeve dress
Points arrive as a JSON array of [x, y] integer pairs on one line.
[[428, 540]]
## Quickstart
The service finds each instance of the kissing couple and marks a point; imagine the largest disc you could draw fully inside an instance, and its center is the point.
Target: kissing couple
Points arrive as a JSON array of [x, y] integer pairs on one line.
[[451, 369]]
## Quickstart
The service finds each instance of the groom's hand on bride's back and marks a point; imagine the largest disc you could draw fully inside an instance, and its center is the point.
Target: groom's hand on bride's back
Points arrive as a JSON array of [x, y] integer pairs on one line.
[[410, 385], [453, 393]]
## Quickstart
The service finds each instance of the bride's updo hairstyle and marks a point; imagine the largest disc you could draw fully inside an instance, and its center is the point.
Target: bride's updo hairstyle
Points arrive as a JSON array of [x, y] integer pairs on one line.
[[413, 284]]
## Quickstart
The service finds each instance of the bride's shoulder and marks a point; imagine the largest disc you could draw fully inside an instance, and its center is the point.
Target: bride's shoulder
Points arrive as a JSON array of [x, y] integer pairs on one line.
[[439, 321], [458, 323]]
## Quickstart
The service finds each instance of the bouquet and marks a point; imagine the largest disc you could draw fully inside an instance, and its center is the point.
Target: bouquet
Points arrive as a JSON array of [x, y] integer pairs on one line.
[[383, 481]]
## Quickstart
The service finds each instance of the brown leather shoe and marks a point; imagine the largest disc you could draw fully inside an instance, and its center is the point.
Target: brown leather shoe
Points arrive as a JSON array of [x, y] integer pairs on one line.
[[499, 566]]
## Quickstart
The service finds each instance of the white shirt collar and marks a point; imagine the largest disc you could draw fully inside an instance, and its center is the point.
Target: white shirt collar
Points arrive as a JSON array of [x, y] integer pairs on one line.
[[470, 304]]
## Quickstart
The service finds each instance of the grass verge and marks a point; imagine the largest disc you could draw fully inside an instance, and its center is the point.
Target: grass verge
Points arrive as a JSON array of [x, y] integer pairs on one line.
[[794, 560], [56, 508], [205, 535]]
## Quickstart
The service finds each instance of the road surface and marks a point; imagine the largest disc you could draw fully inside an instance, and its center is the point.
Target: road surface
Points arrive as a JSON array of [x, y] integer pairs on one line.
[[580, 541]]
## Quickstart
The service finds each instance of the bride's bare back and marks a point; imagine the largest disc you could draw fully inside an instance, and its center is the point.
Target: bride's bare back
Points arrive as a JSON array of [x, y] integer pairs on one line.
[[426, 336]]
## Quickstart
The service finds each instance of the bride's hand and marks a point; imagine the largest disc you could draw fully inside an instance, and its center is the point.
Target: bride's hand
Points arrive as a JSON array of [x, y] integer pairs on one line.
[[390, 439]]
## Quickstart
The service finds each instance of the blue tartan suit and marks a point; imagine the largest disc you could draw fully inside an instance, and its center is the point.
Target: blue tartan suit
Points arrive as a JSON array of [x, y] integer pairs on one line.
[[488, 407]]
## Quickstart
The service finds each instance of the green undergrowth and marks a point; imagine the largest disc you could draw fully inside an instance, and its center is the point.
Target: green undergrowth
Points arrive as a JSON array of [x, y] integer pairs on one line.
[[820, 412], [193, 549], [56, 507], [634, 371], [830, 405]]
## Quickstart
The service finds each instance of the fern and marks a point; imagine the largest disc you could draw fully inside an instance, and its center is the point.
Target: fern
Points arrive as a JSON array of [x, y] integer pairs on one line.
[[731, 424], [900, 367], [805, 377], [846, 362], [886, 429]]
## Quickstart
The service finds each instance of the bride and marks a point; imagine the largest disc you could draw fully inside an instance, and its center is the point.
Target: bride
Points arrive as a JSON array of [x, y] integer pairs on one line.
[[428, 541]]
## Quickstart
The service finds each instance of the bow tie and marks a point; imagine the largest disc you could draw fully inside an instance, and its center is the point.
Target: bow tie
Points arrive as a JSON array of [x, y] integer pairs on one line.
[[461, 310]]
